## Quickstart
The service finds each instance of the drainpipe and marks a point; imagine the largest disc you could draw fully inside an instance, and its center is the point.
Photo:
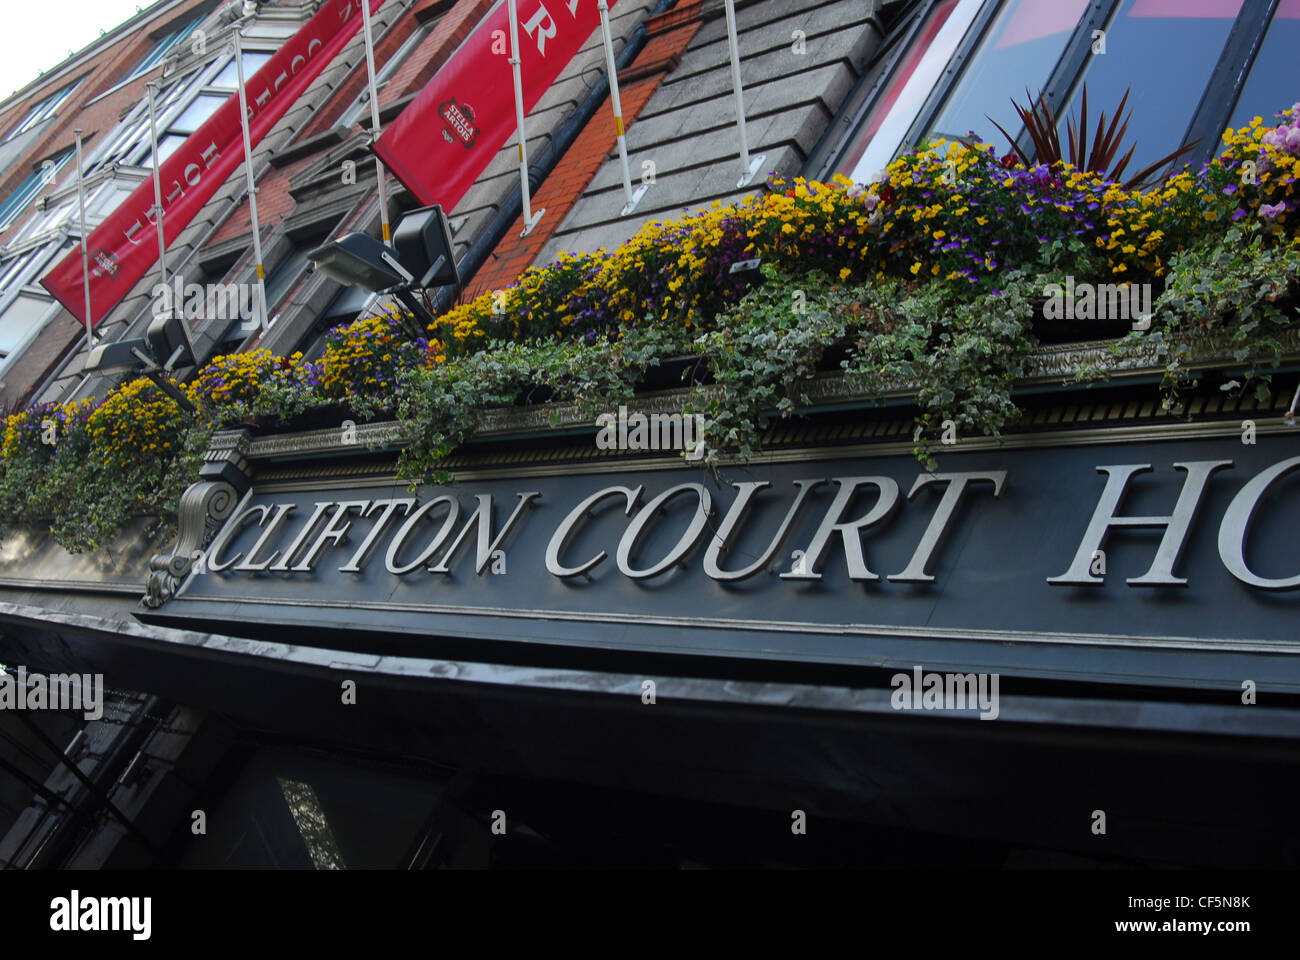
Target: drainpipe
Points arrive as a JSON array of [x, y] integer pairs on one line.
[[474, 258]]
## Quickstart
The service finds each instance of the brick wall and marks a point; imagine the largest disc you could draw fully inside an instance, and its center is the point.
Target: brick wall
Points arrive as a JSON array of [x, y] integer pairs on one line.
[[688, 128], [667, 36]]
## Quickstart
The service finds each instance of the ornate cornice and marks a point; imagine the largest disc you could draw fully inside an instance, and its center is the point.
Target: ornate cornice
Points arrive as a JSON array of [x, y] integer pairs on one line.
[[1057, 363]]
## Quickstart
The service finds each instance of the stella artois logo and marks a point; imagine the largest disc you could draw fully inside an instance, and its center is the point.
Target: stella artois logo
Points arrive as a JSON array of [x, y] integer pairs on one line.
[[458, 122], [106, 263]]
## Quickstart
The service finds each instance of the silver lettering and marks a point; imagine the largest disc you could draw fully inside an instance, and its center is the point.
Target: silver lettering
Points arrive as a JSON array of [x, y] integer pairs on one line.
[[1236, 523], [1161, 573]]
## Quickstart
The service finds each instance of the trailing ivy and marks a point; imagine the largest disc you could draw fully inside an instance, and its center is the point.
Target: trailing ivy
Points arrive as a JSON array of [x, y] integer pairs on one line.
[[959, 355], [1236, 295], [441, 406]]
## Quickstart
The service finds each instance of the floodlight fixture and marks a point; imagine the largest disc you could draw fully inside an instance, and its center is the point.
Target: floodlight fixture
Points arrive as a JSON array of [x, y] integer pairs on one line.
[[138, 356], [358, 258], [169, 341], [421, 257], [423, 242]]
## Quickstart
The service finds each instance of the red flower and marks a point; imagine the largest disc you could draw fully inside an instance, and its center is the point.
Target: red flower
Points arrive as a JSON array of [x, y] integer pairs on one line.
[[887, 193], [1009, 161]]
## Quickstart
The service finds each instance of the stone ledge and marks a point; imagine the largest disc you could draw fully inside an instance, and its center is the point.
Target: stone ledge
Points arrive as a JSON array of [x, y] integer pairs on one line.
[[1051, 364]]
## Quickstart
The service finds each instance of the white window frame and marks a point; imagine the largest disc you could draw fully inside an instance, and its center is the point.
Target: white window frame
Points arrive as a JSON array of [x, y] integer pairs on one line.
[[361, 105]]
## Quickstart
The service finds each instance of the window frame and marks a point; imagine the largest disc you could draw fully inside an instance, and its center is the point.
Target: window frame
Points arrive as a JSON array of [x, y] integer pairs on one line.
[[45, 110], [356, 111], [33, 183], [1218, 100]]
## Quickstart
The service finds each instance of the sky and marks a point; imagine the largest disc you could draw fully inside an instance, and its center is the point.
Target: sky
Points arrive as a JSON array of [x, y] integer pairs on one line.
[[38, 34]]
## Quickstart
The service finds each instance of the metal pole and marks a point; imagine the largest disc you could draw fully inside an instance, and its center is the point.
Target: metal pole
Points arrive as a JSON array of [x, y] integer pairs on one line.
[[248, 172], [374, 121], [85, 256], [749, 167], [157, 184], [632, 201], [530, 221]]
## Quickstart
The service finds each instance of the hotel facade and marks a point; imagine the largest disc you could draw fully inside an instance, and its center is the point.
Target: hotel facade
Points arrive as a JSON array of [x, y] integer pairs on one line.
[[1070, 641]]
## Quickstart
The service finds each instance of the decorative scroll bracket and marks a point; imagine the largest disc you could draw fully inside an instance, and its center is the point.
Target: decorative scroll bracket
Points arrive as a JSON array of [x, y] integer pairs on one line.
[[204, 507]]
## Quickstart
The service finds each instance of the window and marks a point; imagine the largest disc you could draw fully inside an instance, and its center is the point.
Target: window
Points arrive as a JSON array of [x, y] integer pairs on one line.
[[1190, 66], [1018, 52], [43, 111], [23, 314], [1143, 41], [360, 108], [346, 306], [180, 108], [228, 78], [24, 306], [161, 48], [1274, 71], [286, 273], [31, 186], [887, 123]]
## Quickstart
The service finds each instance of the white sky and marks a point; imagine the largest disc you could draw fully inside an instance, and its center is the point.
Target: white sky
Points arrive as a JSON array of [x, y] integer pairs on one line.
[[37, 34]]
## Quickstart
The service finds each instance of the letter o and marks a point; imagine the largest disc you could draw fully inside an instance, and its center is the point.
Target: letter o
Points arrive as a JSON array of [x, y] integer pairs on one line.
[[636, 531], [453, 512]]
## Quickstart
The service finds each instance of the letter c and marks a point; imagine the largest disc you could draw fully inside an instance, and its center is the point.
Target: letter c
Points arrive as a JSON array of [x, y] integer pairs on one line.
[[228, 534], [567, 529]]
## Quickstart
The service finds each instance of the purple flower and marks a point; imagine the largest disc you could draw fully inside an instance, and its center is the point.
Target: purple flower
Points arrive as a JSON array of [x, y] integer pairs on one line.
[[1272, 211]]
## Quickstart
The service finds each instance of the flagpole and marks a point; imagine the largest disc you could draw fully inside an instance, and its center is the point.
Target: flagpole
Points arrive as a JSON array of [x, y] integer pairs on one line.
[[85, 256], [749, 167], [632, 200], [157, 184], [530, 221], [248, 171], [374, 120]]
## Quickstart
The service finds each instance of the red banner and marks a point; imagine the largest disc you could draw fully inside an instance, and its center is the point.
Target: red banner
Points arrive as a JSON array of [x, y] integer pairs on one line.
[[444, 139], [125, 246]]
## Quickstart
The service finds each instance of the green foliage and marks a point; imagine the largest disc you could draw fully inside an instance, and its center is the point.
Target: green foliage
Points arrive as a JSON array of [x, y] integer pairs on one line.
[[1234, 295]]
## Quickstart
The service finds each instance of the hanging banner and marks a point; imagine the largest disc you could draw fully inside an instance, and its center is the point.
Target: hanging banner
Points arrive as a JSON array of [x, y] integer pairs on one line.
[[439, 144], [124, 247]]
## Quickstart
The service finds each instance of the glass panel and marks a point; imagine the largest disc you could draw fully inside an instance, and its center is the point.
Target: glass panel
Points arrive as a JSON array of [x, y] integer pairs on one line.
[[159, 49], [106, 200], [12, 270], [18, 200], [229, 76], [361, 105], [889, 120], [1143, 43], [27, 121], [23, 315], [1019, 51], [166, 147], [284, 275], [192, 117], [1271, 84]]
